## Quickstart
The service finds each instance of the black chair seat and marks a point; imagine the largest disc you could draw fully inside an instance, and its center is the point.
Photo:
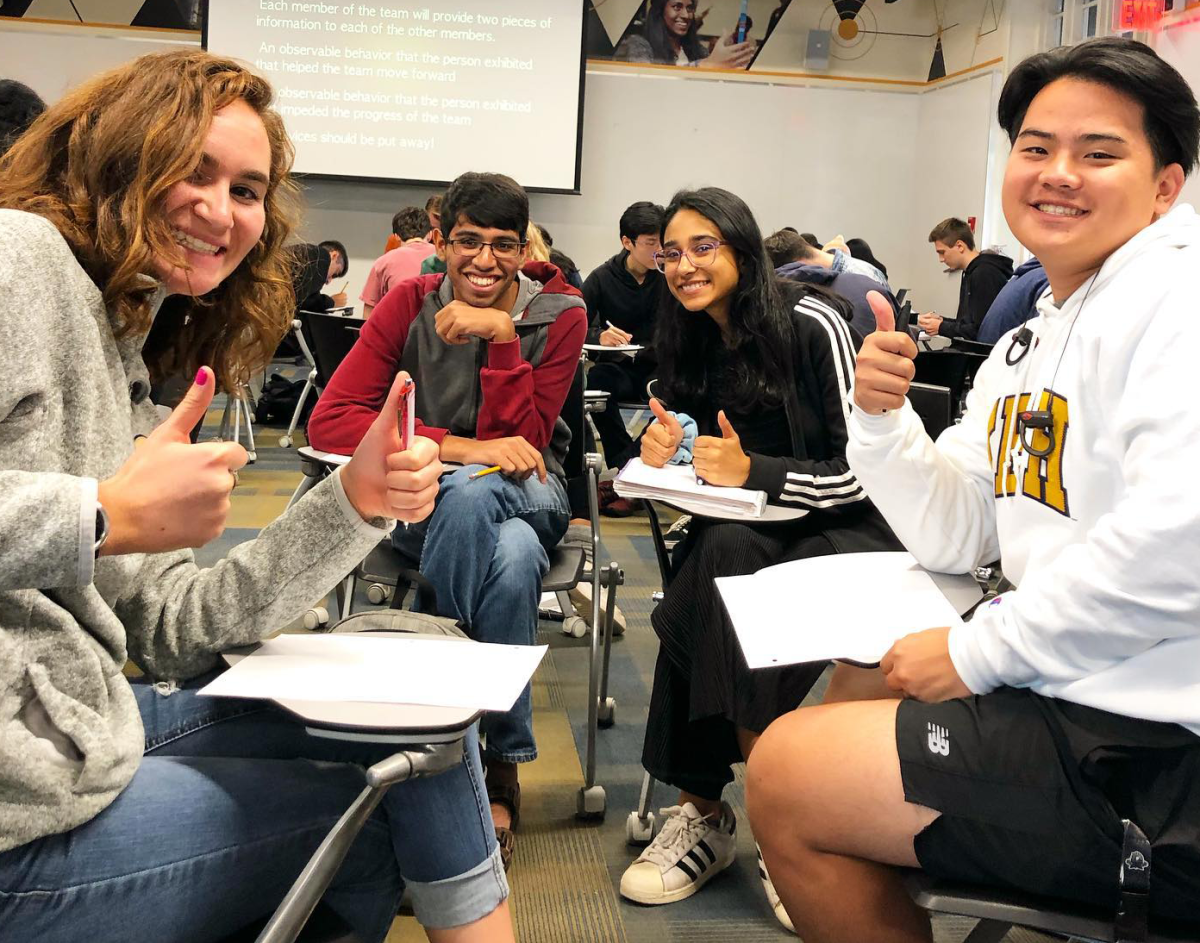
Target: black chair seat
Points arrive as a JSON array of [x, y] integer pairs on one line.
[[566, 569], [1028, 910]]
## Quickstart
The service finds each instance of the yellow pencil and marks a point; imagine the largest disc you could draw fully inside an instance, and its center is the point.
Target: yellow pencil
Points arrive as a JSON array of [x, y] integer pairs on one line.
[[482, 472]]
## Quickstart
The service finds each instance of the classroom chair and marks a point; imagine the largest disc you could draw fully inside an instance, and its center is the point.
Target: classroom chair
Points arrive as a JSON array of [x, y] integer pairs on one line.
[[429, 741], [1000, 910], [325, 340], [390, 575]]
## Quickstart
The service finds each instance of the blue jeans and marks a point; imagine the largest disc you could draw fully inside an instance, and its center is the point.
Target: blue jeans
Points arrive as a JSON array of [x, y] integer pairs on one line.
[[231, 799], [484, 550]]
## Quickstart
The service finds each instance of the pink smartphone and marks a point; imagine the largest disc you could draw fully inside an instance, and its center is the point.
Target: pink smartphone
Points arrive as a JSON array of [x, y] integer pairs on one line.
[[406, 414]]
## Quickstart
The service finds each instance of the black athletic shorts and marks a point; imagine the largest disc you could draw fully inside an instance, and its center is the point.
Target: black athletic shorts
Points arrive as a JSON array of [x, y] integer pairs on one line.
[[1032, 791]]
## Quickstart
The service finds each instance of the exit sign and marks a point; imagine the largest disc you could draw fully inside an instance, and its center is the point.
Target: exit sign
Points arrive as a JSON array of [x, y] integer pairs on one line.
[[1137, 15]]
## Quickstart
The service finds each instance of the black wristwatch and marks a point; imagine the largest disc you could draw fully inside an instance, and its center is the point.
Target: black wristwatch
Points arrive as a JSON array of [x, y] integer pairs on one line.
[[101, 528]]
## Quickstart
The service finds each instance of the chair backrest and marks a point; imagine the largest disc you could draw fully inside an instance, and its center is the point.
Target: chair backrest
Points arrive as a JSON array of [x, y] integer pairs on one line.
[[573, 414], [901, 295], [933, 404], [329, 337], [904, 318]]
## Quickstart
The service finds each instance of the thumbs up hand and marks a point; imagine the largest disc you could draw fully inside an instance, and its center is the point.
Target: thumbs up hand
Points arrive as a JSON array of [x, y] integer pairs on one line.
[[662, 438], [381, 480], [171, 494], [885, 365], [721, 461]]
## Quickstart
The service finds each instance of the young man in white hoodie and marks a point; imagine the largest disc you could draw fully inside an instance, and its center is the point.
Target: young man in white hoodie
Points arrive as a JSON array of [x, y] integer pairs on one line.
[[1027, 735]]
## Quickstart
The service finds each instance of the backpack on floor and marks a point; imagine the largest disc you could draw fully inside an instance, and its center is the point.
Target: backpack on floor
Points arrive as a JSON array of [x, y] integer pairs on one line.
[[278, 401]]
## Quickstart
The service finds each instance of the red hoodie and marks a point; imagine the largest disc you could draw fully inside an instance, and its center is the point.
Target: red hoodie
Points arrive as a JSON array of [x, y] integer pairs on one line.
[[480, 389]]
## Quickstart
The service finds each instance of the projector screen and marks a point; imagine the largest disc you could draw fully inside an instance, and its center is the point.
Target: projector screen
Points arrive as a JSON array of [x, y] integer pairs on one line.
[[399, 90]]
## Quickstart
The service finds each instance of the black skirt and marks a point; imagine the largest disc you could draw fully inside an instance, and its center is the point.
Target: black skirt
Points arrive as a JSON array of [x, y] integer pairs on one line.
[[703, 688]]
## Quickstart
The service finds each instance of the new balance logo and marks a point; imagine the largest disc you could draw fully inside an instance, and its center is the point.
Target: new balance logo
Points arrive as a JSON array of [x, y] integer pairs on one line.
[[939, 739]]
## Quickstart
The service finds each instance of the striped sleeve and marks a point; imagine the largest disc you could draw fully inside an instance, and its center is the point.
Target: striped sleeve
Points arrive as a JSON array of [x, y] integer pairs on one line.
[[825, 484]]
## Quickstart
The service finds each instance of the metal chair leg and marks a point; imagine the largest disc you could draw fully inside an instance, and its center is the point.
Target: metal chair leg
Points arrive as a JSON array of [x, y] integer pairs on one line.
[[591, 802]]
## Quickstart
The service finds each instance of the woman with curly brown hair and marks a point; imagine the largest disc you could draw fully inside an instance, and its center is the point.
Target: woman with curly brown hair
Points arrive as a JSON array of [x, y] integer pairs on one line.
[[142, 805]]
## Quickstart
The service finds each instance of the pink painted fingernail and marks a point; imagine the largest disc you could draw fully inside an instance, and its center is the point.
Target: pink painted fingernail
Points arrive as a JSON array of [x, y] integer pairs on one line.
[[201, 377]]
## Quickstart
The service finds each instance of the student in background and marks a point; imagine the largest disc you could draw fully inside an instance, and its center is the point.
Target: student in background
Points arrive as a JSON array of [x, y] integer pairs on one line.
[[19, 106], [669, 36], [433, 208], [623, 297], [315, 267], [493, 346], [169, 176], [797, 260], [1026, 735], [1016, 303], [403, 262], [984, 274], [754, 374], [837, 258], [859, 249]]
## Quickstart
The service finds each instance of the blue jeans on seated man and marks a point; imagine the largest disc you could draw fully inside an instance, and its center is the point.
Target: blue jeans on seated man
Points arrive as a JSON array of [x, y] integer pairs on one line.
[[485, 551], [230, 801]]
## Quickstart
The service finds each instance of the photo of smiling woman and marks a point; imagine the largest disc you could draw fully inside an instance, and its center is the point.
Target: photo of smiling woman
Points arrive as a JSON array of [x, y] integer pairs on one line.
[[753, 374], [670, 35], [137, 803]]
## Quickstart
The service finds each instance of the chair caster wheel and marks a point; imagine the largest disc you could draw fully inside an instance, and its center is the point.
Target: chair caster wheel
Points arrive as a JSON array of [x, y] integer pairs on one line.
[[574, 626], [377, 593], [251, 458], [590, 803], [285, 441], [605, 716], [316, 618], [639, 831]]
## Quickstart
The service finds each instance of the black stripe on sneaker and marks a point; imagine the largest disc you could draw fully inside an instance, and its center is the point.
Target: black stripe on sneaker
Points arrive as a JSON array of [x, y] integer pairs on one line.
[[712, 859], [682, 866], [699, 862]]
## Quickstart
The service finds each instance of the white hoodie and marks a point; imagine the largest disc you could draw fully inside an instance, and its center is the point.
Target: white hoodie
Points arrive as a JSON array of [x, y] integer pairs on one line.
[[1102, 536]]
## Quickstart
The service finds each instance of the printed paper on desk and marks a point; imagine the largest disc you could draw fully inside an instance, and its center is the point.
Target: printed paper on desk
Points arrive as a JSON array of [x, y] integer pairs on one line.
[[613, 349], [361, 669], [852, 606], [639, 480]]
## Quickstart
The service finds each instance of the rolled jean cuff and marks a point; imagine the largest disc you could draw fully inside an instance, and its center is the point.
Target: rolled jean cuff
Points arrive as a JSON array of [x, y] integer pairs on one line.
[[465, 898]]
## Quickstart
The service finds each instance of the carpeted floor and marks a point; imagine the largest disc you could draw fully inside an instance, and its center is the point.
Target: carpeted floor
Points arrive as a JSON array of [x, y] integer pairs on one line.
[[566, 873]]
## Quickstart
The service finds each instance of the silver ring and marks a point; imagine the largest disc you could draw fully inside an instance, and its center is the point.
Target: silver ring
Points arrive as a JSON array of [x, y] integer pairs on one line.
[[235, 478]]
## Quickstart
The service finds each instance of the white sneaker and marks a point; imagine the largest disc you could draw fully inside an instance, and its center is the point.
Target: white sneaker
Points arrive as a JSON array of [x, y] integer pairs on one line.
[[683, 856], [772, 896], [581, 598]]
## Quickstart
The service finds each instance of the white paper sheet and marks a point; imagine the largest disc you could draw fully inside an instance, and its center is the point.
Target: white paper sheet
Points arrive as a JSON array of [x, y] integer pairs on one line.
[[361, 669], [639, 480], [616, 349], [851, 606]]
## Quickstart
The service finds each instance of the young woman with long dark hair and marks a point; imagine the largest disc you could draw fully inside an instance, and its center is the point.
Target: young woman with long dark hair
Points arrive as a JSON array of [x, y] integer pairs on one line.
[[670, 37], [753, 377]]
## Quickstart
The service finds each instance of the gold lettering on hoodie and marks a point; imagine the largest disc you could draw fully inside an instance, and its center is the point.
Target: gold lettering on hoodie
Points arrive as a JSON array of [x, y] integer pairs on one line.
[[1043, 479]]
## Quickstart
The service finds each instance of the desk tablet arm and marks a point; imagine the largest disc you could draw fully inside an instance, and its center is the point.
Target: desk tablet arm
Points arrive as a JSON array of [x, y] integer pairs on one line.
[[305, 893]]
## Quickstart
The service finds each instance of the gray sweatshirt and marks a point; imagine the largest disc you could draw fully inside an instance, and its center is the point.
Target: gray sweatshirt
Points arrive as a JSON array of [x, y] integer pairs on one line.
[[72, 398]]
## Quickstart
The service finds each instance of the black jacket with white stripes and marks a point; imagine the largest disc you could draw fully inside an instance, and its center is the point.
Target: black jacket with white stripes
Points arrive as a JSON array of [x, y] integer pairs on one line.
[[816, 478]]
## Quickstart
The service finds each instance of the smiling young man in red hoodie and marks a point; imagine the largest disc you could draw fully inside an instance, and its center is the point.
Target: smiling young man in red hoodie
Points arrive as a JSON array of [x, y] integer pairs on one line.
[[493, 346]]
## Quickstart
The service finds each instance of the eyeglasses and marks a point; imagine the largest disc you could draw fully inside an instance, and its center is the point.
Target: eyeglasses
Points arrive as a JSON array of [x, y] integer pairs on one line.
[[700, 255], [469, 246]]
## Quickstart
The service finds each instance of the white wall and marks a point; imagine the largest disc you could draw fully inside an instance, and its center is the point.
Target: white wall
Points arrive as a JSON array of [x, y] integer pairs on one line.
[[953, 134], [1180, 46], [52, 59]]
